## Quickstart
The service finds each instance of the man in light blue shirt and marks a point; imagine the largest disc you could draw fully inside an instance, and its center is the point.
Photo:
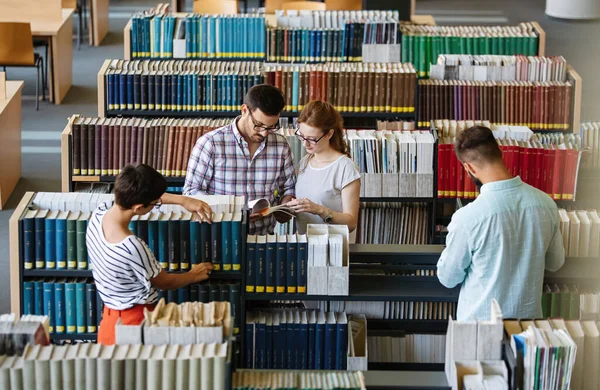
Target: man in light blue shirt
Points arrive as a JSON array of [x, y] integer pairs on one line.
[[499, 245]]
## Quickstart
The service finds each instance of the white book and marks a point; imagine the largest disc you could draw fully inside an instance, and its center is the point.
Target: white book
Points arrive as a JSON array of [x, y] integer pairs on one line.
[[565, 223], [182, 368], [141, 367], [591, 355], [103, 367], [206, 373], [117, 367], [573, 234], [58, 355], [129, 363], [584, 233], [594, 248], [42, 368], [168, 367], [154, 367], [29, 356]]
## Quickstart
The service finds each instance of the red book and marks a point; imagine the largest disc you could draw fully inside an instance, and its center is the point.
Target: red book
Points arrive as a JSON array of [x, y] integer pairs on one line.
[[440, 168], [539, 166], [524, 169], [558, 173], [452, 181], [570, 173], [516, 158], [460, 179], [546, 171]]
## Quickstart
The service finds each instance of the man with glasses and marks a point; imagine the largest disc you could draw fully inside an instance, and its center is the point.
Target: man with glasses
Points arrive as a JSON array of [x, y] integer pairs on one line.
[[246, 157]]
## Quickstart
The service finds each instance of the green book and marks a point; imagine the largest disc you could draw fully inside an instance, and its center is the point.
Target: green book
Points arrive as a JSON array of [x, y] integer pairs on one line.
[[575, 303], [72, 240], [81, 227], [404, 48], [494, 41], [565, 301], [555, 299], [546, 302]]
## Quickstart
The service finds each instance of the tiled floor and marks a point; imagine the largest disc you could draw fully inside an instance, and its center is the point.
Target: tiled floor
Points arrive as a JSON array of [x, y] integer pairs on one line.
[[41, 129]]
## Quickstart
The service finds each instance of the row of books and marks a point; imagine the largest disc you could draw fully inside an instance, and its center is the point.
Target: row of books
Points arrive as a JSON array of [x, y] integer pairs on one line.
[[198, 36], [17, 333], [298, 339], [538, 105], [277, 380], [395, 164], [580, 230], [277, 264], [583, 374], [409, 348], [397, 310], [421, 45], [57, 239], [179, 85], [570, 302], [393, 223], [102, 146], [72, 305], [499, 68], [375, 87], [91, 366], [590, 137]]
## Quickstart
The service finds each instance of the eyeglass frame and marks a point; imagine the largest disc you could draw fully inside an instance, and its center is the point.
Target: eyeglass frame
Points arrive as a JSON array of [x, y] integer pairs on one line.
[[157, 204], [309, 140], [273, 129]]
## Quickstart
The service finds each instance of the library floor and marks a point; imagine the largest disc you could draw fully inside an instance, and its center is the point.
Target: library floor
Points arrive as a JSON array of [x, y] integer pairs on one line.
[[41, 129]]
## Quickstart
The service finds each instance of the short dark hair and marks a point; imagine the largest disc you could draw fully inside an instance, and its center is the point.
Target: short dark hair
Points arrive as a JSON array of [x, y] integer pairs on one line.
[[477, 145], [138, 184], [267, 98]]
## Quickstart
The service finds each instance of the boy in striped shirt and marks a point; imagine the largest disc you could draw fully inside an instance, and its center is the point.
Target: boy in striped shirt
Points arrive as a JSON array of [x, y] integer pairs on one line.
[[126, 273]]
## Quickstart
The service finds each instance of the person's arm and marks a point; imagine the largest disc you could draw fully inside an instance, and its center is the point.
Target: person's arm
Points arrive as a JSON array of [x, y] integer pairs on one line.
[[200, 208], [166, 281], [555, 254], [456, 257], [287, 179], [200, 168]]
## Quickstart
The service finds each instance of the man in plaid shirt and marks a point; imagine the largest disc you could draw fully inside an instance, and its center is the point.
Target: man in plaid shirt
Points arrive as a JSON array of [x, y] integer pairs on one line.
[[246, 157]]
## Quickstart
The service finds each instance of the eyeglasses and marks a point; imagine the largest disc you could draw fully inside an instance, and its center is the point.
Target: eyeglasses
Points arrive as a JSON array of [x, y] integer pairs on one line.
[[157, 204], [260, 127], [311, 141]]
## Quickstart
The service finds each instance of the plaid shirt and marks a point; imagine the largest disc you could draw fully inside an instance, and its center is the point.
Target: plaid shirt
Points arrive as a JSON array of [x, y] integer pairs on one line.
[[220, 164]]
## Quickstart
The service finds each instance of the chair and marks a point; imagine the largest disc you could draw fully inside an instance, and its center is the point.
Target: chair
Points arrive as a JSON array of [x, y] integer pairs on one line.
[[16, 50], [343, 5], [79, 7], [303, 5], [229, 7]]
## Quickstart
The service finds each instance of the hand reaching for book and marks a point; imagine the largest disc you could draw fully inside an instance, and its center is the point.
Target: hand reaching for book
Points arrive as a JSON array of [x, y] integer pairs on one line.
[[198, 207], [305, 205], [201, 272]]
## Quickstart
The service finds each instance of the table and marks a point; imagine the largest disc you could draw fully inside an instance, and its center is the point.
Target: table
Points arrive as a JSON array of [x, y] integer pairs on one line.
[[60, 37], [10, 139]]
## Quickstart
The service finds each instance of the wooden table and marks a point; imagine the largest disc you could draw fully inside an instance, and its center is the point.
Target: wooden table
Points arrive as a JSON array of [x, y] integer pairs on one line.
[[10, 139], [98, 23], [60, 37]]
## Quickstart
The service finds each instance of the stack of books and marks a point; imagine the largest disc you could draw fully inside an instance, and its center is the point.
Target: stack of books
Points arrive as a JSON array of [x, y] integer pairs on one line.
[[407, 348], [422, 45], [102, 146], [580, 230], [179, 85], [538, 105], [17, 334], [393, 223], [561, 300], [396, 310], [549, 162], [499, 68], [250, 379], [164, 35], [90, 366], [298, 339], [380, 87]]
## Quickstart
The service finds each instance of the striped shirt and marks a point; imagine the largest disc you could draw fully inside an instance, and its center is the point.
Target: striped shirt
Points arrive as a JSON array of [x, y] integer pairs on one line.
[[122, 271], [221, 164]]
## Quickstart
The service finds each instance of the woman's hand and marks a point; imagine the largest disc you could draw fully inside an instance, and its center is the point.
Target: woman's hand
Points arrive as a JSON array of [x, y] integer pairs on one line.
[[198, 207], [304, 205], [200, 272]]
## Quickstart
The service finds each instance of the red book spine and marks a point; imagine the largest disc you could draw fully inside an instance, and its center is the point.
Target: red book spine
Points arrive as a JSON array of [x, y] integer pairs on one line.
[[104, 150], [558, 169], [539, 167], [460, 179], [84, 149], [116, 149], [111, 152], [97, 149], [525, 156], [452, 181], [440, 168], [140, 145], [516, 160], [76, 148]]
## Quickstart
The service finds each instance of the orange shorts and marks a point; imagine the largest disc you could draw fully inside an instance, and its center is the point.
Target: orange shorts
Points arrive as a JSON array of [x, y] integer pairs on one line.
[[131, 316]]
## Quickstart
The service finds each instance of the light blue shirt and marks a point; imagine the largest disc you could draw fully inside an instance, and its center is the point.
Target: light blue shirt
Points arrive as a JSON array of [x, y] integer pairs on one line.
[[498, 247]]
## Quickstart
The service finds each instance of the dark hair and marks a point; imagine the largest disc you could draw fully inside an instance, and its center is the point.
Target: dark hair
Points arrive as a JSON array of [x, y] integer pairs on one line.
[[324, 116], [267, 98], [138, 184], [477, 145]]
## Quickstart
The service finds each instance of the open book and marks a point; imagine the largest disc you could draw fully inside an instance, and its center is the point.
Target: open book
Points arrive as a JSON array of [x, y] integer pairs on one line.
[[263, 207]]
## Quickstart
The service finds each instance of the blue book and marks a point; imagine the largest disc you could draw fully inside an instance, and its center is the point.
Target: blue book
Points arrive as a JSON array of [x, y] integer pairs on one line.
[[249, 351], [276, 355], [260, 342], [29, 240], [224, 293], [160, 294], [195, 245], [329, 349], [90, 307], [282, 342], [341, 355], [236, 241], [133, 37], [297, 341], [163, 240], [226, 241], [320, 341], [290, 342], [213, 292], [183, 294], [312, 329], [153, 233], [260, 263], [184, 239], [205, 242], [50, 239], [204, 37], [234, 300], [59, 306], [303, 342], [142, 227], [271, 258], [290, 264], [80, 309], [40, 251], [194, 292], [263, 37], [269, 342], [281, 264], [250, 263], [130, 90], [172, 296], [28, 298], [71, 306], [244, 42], [295, 85], [302, 263], [313, 46], [189, 51], [215, 238], [122, 90], [203, 294], [48, 287], [38, 297], [212, 32]]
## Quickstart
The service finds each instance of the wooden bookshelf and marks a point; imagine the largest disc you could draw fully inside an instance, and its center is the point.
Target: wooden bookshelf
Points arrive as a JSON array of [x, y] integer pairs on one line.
[[575, 79], [10, 138], [541, 38]]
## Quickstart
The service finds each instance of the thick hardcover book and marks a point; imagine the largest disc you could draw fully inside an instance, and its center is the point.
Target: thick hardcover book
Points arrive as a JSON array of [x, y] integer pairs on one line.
[[270, 262], [251, 263], [80, 310], [90, 307], [71, 306], [174, 244], [280, 264], [260, 263], [184, 234], [40, 244], [49, 301], [215, 238], [59, 306]]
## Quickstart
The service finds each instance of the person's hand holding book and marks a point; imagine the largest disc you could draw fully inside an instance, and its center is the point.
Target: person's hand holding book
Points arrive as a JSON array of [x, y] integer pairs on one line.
[[198, 207]]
